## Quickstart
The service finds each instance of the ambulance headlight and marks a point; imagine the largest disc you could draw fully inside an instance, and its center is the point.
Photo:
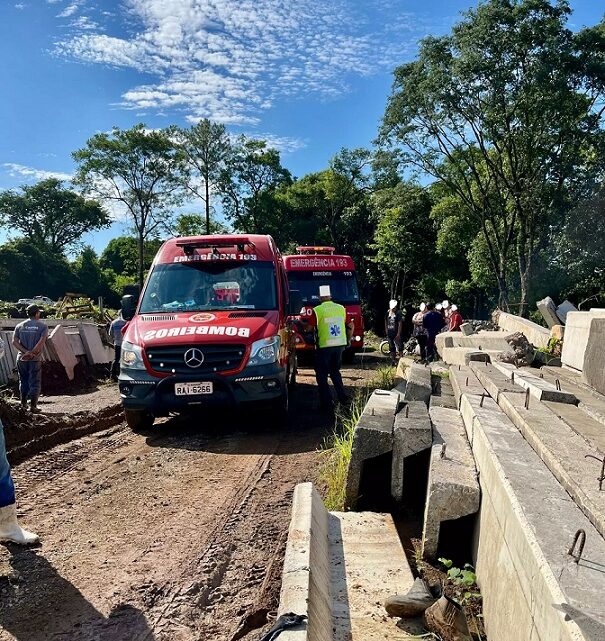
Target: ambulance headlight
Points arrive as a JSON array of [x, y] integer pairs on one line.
[[264, 351], [357, 339], [131, 356]]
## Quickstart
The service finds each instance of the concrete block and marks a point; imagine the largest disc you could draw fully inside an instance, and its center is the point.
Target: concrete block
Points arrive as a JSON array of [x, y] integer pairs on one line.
[[61, 350], [93, 346], [594, 360], [548, 309], [494, 380], [373, 437], [464, 355], [527, 523], [539, 388], [75, 340], [467, 329], [412, 433], [563, 309], [577, 330], [445, 395], [306, 580], [453, 488], [418, 386], [537, 335]]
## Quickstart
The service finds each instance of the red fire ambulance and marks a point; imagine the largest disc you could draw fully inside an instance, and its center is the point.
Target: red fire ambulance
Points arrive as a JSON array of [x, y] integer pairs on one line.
[[315, 266], [210, 328]]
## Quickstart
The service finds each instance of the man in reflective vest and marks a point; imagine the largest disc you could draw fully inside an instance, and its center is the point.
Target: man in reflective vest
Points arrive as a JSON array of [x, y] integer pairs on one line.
[[332, 338]]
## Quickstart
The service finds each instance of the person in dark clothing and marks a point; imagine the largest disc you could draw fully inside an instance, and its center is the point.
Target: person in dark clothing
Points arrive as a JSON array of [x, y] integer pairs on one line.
[[433, 323], [29, 338], [115, 330], [419, 332], [393, 328]]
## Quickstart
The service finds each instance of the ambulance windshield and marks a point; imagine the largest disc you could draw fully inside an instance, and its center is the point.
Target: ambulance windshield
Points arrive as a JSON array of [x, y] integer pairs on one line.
[[343, 286], [199, 286]]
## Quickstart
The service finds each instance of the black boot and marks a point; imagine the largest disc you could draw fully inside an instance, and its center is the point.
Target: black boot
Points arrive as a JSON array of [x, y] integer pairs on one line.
[[34, 405]]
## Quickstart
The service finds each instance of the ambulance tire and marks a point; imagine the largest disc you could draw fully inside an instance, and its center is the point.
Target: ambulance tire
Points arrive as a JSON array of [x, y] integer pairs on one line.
[[348, 356], [281, 406], [139, 421]]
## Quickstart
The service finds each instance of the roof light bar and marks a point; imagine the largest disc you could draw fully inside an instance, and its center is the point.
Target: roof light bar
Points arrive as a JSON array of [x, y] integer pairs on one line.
[[315, 249]]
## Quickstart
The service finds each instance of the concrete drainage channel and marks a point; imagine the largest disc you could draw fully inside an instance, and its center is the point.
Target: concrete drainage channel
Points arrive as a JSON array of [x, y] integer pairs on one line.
[[501, 466]]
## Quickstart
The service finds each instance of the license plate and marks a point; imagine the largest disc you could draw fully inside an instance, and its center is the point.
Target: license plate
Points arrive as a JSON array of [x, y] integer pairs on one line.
[[192, 389]]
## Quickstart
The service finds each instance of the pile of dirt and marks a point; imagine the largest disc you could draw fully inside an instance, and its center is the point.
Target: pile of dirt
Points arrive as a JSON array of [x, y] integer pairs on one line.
[[27, 434]]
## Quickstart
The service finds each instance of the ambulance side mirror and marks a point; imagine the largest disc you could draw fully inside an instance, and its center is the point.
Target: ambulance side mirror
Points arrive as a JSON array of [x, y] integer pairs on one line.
[[296, 302], [129, 306]]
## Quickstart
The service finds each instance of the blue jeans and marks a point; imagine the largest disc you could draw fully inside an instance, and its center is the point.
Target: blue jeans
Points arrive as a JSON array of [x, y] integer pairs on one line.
[[7, 488], [30, 378], [327, 363]]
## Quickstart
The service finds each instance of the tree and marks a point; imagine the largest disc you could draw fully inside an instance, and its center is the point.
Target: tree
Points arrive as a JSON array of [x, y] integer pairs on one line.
[[197, 225], [404, 239], [121, 255], [207, 149], [141, 170], [27, 270], [50, 216], [253, 173], [507, 112]]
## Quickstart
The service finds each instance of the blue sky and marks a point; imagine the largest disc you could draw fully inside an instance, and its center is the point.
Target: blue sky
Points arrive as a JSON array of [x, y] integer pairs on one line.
[[309, 76]]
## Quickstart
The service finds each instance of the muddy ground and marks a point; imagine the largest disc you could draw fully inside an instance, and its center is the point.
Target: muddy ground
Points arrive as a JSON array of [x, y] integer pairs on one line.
[[178, 535]]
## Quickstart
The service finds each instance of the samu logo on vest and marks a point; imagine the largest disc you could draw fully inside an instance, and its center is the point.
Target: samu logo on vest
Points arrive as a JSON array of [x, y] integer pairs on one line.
[[335, 331]]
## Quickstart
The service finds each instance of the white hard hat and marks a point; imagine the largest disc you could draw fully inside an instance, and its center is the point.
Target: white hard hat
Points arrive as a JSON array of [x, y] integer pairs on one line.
[[445, 304], [438, 306], [422, 306], [454, 308], [324, 290], [392, 304]]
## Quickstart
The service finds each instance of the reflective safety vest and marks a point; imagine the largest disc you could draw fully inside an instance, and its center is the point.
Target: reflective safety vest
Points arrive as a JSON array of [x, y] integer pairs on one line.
[[331, 325]]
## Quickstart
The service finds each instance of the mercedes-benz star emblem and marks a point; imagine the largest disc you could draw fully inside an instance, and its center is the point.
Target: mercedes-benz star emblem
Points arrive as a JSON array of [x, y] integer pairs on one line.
[[193, 357]]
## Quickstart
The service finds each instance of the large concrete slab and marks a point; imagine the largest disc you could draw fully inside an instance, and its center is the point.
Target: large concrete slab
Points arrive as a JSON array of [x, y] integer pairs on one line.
[[338, 570], [539, 388], [453, 488], [537, 335], [62, 351], [526, 525], [96, 353], [593, 371], [466, 355], [306, 579], [368, 565], [418, 387], [564, 308], [577, 330], [548, 309], [494, 380], [373, 437], [411, 434], [443, 394]]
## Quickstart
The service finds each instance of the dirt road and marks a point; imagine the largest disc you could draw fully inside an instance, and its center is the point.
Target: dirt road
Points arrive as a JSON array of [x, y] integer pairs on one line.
[[175, 536]]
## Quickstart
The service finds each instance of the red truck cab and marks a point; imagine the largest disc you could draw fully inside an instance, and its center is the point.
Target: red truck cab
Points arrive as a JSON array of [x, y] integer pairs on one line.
[[210, 328], [306, 271]]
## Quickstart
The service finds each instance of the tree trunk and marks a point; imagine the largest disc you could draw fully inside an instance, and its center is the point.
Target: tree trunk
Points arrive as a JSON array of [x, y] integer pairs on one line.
[[141, 261], [207, 188]]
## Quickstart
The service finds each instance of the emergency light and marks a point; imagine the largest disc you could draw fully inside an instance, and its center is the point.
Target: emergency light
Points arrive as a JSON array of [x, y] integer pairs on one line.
[[189, 246]]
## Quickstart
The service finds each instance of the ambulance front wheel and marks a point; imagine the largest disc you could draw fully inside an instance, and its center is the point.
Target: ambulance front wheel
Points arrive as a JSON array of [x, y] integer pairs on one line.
[[139, 420]]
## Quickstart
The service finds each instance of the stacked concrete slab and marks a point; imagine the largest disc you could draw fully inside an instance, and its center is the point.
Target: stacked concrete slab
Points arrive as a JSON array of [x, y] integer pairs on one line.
[[418, 384], [594, 360], [527, 524], [373, 436], [458, 349], [453, 489]]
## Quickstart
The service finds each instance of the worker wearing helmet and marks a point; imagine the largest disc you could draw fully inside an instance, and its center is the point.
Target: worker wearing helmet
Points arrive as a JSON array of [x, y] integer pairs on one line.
[[333, 335], [9, 527]]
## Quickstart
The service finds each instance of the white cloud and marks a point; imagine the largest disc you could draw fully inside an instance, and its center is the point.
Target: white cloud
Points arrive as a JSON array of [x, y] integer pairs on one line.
[[229, 60], [16, 170], [284, 144], [20, 5], [84, 23], [70, 9]]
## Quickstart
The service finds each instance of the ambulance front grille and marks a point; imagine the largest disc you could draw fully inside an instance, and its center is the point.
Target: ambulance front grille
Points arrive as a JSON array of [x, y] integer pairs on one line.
[[216, 358]]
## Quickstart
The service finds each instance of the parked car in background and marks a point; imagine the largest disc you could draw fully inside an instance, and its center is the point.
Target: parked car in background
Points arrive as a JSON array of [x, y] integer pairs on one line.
[[37, 300]]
